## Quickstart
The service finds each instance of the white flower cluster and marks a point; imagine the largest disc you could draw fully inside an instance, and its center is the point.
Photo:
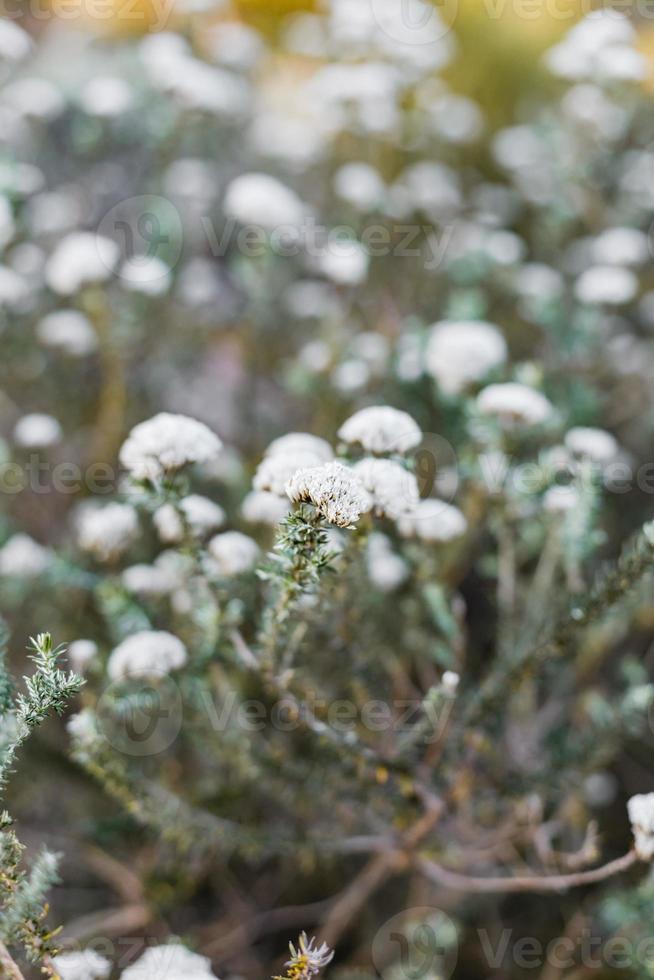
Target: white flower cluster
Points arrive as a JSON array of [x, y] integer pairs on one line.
[[106, 530], [334, 491], [514, 404], [171, 962], [233, 553], [460, 353], [641, 815], [23, 557], [148, 653], [381, 429], [166, 443], [83, 965]]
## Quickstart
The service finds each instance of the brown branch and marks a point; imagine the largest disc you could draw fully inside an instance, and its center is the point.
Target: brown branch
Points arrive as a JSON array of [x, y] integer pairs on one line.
[[528, 883], [8, 966]]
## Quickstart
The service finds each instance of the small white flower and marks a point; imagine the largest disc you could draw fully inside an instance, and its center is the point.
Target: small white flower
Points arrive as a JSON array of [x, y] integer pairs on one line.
[[168, 523], [22, 557], [641, 814], [308, 959], [263, 507], [433, 520], [514, 404], [360, 185], [621, 246], [69, 331], [172, 962], [81, 653], [106, 96], [146, 274], [148, 580], [386, 570], [261, 200], [560, 500], [459, 353], [274, 472], [608, 285], [80, 258], [83, 727], [450, 681], [595, 444], [14, 290], [394, 490], [345, 263], [334, 491], [83, 965], [37, 431], [301, 442], [202, 514], [106, 530], [149, 653], [15, 43], [165, 443], [233, 553], [381, 429]]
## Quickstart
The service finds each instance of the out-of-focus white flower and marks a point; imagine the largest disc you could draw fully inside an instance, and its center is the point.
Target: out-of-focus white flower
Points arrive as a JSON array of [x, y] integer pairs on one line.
[[106, 530], [37, 431], [351, 375], [459, 353], [168, 523], [23, 557], [106, 96], [455, 118], [202, 515], [561, 499], [14, 290], [165, 443], [381, 429], [233, 553], [334, 491], [599, 47], [595, 444], [235, 45], [261, 200], [15, 43], [433, 520], [274, 471], [621, 246], [7, 226], [82, 965], [606, 285], [81, 653], [431, 187], [514, 404], [83, 727], [344, 262], [263, 507], [394, 490], [536, 281], [148, 580], [386, 570], [450, 681], [80, 258], [146, 274], [360, 185], [69, 331], [641, 814], [172, 962], [301, 442], [148, 653]]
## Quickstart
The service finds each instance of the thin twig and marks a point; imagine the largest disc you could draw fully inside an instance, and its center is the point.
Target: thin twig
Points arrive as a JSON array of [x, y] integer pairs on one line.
[[8, 966], [528, 883]]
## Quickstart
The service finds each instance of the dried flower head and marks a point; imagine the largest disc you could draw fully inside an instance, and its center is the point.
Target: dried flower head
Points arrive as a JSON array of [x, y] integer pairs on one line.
[[514, 404], [233, 553], [641, 814], [394, 490], [165, 443], [334, 491], [459, 353], [274, 471], [149, 653], [381, 429]]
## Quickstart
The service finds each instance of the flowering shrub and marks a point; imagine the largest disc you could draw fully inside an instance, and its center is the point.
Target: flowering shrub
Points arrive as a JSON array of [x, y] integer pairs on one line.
[[327, 420]]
